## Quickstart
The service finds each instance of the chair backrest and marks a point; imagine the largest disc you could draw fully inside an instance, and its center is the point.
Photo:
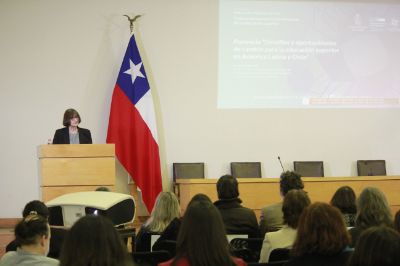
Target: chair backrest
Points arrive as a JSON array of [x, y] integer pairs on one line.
[[187, 170], [279, 254], [246, 169], [371, 167], [309, 168], [247, 248], [152, 258], [168, 245]]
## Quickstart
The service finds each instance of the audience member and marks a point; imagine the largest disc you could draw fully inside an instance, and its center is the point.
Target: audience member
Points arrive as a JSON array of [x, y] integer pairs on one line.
[[377, 246], [172, 230], [293, 204], [32, 235], [165, 210], [237, 219], [202, 239], [271, 218], [372, 210], [104, 189], [322, 237], [94, 241], [397, 221], [57, 233], [345, 200]]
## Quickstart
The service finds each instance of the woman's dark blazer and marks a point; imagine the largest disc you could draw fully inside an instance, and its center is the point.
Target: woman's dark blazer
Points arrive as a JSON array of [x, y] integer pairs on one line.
[[62, 136]]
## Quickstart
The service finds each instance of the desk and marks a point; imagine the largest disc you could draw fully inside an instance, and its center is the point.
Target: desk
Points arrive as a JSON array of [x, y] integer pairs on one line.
[[259, 192]]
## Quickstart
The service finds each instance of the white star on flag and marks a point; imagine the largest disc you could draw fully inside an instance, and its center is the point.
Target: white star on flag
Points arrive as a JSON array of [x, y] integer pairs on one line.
[[134, 71]]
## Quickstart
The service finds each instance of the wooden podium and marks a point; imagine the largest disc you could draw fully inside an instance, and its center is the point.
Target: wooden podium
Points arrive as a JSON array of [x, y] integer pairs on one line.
[[75, 167]]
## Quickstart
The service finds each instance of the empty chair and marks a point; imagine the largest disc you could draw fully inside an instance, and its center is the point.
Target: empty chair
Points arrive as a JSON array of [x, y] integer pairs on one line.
[[188, 170], [309, 168], [245, 169], [371, 167]]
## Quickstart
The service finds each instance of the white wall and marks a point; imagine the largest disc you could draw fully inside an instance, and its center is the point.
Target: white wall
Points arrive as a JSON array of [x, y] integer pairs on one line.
[[60, 54]]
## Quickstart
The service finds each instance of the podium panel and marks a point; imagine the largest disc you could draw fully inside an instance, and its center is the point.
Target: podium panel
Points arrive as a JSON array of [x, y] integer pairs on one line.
[[70, 168]]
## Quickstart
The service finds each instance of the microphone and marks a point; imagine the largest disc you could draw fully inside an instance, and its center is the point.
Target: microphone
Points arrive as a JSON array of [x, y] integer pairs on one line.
[[279, 158]]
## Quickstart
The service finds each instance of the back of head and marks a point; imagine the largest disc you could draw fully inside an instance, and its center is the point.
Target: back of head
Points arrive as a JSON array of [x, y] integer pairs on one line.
[[93, 240], [290, 180], [30, 229], [202, 238], [227, 187], [37, 207], [373, 209], [295, 201], [321, 230], [377, 246], [345, 200], [165, 210]]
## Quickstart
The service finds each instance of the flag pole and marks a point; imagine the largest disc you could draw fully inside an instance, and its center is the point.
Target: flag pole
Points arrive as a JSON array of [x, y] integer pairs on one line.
[[131, 20]]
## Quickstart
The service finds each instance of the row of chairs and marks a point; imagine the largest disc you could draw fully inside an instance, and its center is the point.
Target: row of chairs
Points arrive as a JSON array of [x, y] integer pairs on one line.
[[253, 169]]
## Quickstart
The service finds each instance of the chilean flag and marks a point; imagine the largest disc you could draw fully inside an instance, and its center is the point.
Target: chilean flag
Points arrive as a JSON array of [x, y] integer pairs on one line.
[[132, 126]]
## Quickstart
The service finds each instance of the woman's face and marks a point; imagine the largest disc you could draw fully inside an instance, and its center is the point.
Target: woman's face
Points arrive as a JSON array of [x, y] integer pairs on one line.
[[74, 121]]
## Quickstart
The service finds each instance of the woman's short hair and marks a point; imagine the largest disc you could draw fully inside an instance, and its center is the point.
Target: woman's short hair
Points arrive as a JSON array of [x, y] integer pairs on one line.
[[290, 180], [377, 246], [345, 200], [373, 209], [166, 208], [37, 207], [321, 231], [93, 240], [68, 115], [30, 229], [295, 201], [227, 187], [202, 239]]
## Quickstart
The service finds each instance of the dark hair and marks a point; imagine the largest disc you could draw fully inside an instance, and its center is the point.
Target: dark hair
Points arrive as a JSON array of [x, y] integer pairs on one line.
[[290, 180], [293, 205], [93, 240], [321, 231], [68, 115], [30, 229], [227, 187], [201, 237], [345, 200], [104, 189], [36, 206], [373, 209], [377, 246], [397, 221]]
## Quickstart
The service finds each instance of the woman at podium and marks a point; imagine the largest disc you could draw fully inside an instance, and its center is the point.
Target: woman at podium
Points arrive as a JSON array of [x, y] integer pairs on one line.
[[71, 133]]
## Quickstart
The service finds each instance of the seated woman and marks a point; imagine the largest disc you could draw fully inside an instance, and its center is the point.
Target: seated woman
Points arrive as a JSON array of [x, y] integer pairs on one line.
[[377, 246], [32, 235], [345, 200], [294, 203], [322, 237], [372, 210], [202, 239], [94, 241], [165, 210], [57, 233]]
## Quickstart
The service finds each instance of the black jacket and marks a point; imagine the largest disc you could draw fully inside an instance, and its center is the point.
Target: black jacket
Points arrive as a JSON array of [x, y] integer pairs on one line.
[[62, 136], [238, 219]]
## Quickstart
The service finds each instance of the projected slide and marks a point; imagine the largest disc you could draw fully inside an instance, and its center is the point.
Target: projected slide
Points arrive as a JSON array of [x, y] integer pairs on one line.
[[316, 54]]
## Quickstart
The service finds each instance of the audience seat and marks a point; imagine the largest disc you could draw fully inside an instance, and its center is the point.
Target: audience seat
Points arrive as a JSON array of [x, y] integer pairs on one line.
[[309, 168], [279, 254], [371, 167], [246, 169], [247, 248]]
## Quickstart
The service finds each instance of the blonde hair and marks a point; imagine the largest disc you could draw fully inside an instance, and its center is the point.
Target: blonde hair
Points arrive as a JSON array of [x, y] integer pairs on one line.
[[165, 210]]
